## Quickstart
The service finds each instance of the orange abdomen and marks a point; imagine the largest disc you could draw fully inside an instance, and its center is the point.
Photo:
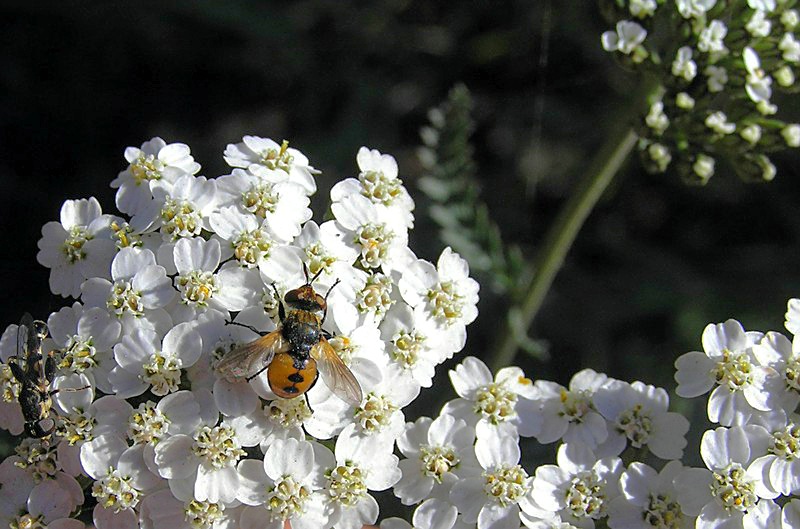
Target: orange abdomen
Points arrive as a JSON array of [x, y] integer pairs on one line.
[[290, 375]]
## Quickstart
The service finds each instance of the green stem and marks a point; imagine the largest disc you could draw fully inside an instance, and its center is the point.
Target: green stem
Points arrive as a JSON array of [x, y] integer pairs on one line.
[[560, 237]]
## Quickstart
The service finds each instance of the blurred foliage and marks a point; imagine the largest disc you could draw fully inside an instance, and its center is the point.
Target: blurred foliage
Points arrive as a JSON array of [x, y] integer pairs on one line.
[[456, 206], [654, 264]]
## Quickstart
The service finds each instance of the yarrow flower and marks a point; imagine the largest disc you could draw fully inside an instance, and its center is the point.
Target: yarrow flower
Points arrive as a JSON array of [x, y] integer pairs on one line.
[[194, 268]]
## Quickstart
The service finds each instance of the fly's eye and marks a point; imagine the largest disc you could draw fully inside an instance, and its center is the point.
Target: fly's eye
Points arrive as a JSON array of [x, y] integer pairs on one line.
[[320, 301], [292, 296]]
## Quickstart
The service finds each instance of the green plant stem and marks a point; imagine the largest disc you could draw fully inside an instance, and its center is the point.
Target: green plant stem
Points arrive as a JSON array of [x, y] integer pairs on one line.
[[560, 237]]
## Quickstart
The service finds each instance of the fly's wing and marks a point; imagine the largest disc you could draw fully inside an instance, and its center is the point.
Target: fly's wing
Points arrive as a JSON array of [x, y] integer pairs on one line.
[[335, 374], [24, 333], [250, 358]]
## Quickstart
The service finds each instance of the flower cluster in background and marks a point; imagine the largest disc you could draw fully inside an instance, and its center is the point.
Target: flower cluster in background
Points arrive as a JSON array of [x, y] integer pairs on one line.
[[146, 429], [720, 65]]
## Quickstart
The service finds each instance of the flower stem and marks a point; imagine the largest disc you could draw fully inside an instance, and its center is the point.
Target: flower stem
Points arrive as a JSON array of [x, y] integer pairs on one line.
[[560, 237]]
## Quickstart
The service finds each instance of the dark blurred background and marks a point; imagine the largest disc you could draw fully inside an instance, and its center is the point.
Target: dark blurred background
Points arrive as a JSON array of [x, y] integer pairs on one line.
[[654, 264]]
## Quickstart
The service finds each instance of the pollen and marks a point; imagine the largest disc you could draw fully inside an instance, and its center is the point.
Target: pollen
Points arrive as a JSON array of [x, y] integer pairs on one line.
[[495, 403], [375, 413], [162, 373], [277, 158], [445, 302], [218, 446], [73, 250], [202, 514], [147, 425], [575, 405], [407, 347], [115, 492], [180, 219], [146, 168], [288, 413], [376, 296], [786, 443], [733, 490], [346, 484], [197, 287], [636, 425], [77, 427], [378, 188], [251, 247], [663, 513], [9, 385], [437, 461], [318, 258], [506, 485], [286, 499], [734, 370], [260, 199], [586, 496], [374, 240], [124, 298], [28, 521], [79, 355]]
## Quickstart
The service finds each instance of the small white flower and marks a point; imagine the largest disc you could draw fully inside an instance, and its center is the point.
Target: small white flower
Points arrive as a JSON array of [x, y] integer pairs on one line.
[[495, 406], [642, 8], [683, 66], [155, 162], [790, 18], [204, 462], [439, 453], [718, 122], [703, 167], [629, 35], [284, 486], [791, 135], [684, 101], [729, 366], [264, 157], [78, 247], [349, 476], [758, 84], [649, 499], [775, 450], [694, 8], [445, 293], [660, 155], [717, 78], [378, 182], [751, 133], [569, 414], [638, 417], [790, 47], [146, 363], [759, 25], [278, 205], [492, 499], [580, 488], [377, 232], [656, 119], [201, 287], [121, 479], [763, 5], [712, 38], [724, 493], [137, 294], [84, 337]]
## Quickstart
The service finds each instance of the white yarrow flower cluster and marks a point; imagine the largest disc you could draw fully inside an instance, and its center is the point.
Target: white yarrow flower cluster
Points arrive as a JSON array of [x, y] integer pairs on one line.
[[168, 442], [728, 58]]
